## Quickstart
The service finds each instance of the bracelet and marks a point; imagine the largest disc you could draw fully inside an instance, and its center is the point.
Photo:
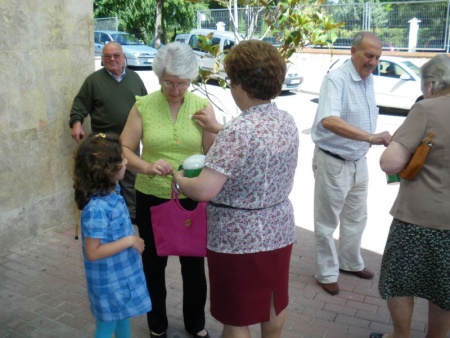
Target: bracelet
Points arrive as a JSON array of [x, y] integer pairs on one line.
[[147, 172], [177, 186], [370, 139]]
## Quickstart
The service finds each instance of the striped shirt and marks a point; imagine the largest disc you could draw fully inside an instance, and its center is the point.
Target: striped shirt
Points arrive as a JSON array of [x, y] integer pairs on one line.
[[346, 95]]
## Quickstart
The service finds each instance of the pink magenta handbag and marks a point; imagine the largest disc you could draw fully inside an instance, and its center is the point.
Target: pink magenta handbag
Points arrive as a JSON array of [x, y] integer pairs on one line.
[[177, 231]]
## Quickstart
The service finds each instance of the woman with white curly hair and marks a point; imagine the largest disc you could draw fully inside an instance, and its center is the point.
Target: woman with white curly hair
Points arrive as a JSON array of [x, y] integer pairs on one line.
[[162, 121]]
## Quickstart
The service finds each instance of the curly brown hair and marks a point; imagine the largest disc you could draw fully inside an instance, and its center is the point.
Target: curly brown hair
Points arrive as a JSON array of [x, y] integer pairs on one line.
[[98, 160], [258, 67]]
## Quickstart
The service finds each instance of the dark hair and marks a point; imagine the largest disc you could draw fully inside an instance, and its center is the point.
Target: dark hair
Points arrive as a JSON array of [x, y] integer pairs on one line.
[[258, 67], [98, 159]]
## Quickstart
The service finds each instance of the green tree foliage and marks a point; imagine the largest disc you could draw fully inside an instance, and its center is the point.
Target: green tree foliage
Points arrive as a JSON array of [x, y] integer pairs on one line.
[[138, 16], [295, 23], [135, 16], [180, 16], [299, 23]]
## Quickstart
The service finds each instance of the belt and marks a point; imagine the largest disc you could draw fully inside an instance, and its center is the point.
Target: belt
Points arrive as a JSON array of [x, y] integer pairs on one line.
[[219, 205], [333, 155]]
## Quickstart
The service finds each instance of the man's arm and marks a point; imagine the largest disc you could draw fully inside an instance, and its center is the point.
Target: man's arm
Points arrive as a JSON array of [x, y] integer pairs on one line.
[[344, 129], [81, 106], [77, 131]]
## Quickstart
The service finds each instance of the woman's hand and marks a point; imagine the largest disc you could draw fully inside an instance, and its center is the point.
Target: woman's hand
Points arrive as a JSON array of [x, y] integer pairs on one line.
[[206, 119], [160, 167]]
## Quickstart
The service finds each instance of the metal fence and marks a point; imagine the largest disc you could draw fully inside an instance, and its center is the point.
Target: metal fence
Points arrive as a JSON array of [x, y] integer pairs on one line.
[[109, 24], [404, 26]]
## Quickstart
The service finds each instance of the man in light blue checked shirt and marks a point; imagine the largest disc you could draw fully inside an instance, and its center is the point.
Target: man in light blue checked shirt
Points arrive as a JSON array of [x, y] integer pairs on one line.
[[343, 131]]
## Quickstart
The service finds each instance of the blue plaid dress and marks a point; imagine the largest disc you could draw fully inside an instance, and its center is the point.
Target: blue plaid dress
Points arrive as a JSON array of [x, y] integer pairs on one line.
[[116, 285]]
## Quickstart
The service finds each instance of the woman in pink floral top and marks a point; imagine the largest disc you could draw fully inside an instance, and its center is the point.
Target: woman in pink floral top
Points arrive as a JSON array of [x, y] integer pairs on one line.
[[248, 176]]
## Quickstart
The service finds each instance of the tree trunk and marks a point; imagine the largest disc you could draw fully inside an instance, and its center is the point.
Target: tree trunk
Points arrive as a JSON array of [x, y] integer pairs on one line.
[[159, 29]]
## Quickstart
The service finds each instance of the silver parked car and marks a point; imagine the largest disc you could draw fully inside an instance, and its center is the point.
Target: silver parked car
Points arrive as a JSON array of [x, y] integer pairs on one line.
[[137, 53]]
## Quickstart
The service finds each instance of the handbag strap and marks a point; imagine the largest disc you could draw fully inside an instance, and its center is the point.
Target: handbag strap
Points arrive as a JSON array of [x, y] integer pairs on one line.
[[174, 199], [428, 139]]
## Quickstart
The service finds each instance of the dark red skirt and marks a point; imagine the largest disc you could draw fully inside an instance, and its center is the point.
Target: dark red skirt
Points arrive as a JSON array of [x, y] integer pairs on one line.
[[241, 286]]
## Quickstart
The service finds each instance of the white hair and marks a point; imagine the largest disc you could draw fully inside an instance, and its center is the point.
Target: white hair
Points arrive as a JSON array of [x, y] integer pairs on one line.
[[177, 59], [437, 71]]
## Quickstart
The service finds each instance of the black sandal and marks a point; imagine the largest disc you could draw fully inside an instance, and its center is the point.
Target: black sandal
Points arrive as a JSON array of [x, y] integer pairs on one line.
[[376, 335]]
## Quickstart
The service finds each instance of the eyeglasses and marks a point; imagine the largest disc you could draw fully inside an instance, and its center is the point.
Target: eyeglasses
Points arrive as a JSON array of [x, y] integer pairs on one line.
[[170, 84], [110, 56]]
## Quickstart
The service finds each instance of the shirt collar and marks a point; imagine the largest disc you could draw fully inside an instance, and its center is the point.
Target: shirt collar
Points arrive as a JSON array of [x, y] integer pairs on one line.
[[261, 107], [113, 198], [120, 77]]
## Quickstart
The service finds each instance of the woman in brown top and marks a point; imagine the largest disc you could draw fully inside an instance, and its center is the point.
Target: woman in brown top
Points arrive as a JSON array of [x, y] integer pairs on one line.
[[416, 260]]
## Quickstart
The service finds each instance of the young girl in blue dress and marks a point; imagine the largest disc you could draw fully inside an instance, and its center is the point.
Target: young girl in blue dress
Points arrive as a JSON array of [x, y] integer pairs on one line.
[[115, 279]]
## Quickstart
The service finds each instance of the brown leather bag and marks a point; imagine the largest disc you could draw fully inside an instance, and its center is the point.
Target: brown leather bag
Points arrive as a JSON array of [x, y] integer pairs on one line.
[[415, 164]]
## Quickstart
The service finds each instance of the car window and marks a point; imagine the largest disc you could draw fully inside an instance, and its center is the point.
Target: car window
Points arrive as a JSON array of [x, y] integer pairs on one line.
[[193, 42], [215, 41], [97, 37], [227, 44], [104, 38], [412, 67], [390, 69], [126, 39], [376, 70]]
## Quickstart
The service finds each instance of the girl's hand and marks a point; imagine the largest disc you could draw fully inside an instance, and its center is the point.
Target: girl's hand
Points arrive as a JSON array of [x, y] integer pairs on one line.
[[138, 244], [95, 250]]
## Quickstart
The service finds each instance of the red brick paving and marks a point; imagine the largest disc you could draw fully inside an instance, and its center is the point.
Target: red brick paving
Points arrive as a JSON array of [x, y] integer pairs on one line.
[[43, 294]]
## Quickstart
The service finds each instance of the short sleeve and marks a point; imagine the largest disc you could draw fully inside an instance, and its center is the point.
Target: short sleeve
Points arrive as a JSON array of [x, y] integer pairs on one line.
[[227, 154], [94, 220], [330, 102], [413, 129]]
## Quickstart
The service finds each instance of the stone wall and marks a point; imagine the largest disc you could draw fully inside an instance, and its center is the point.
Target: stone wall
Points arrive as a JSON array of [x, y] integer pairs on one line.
[[47, 51]]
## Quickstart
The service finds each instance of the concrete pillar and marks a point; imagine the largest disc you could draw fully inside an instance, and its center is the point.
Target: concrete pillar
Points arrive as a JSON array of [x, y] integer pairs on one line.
[[47, 51], [413, 33], [220, 26]]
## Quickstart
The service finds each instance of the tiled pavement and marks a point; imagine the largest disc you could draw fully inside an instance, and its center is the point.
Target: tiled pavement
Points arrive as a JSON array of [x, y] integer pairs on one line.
[[42, 294]]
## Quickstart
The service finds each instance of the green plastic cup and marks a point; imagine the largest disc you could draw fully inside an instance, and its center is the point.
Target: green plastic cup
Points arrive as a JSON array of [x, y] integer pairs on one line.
[[192, 172], [393, 179], [193, 165]]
